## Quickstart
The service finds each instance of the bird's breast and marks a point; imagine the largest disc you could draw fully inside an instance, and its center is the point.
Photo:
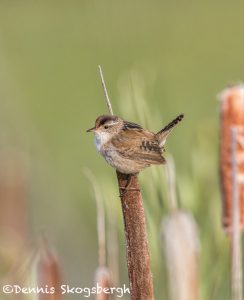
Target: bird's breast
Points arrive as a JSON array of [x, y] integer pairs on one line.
[[100, 140]]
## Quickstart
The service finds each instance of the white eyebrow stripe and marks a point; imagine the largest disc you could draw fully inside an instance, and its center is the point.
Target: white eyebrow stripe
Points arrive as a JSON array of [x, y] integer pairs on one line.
[[110, 123]]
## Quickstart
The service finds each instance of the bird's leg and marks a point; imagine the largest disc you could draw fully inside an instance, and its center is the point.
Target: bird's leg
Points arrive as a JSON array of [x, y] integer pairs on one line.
[[127, 188]]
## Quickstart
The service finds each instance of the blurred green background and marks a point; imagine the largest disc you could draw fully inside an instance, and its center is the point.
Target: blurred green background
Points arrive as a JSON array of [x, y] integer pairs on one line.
[[159, 58]]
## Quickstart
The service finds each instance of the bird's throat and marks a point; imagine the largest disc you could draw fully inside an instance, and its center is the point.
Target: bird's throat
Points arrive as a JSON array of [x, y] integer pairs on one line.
[[101, 139]]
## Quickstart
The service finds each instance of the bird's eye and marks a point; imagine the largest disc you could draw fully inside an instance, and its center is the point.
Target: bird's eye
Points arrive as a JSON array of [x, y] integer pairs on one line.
[[106, 127]]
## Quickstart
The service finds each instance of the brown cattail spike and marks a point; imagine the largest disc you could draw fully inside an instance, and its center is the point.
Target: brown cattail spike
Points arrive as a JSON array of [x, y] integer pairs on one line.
[[138, 260], [231, 115], [48, 271], [103, 281], [181, 247], [13, 206]]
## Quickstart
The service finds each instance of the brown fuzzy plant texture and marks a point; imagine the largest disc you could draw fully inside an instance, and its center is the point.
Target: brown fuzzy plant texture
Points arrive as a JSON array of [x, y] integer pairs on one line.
[[138, 259], [181, 246], [13, 207], [231, 116], [102, 278], [48, 271], [232, 176]]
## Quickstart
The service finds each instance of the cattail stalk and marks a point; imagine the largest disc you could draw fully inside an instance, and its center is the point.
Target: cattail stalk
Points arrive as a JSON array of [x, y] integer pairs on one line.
[[236, 257], [138, 259]]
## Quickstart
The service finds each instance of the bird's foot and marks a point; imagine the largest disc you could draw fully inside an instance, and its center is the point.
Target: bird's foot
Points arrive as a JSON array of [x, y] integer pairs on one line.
[[125, 190], [127, 187]]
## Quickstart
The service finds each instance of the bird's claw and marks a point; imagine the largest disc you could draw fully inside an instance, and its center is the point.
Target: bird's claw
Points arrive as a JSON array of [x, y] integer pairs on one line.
[[125, 190]]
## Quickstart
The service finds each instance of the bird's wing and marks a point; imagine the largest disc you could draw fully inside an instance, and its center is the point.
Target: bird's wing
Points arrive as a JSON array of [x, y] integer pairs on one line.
[[137, 144]]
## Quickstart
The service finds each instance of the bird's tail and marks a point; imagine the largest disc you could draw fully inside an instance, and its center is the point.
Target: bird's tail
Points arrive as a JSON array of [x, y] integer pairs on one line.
[[163, 133]]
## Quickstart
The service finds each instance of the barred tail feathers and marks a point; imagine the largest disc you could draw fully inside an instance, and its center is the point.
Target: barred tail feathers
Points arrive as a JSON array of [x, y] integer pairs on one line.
[[163, 133]]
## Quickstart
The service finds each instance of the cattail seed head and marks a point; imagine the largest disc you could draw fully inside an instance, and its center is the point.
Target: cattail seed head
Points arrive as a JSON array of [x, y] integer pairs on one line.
[[181, 244], [102, 278], [231, 116], [48, 271]]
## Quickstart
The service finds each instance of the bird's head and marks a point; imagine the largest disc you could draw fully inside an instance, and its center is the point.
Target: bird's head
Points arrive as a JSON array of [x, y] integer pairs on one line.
[[107, 125]]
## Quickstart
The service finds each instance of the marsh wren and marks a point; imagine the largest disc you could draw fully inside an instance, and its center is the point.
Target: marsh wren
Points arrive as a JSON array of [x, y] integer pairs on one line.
[[128, 147]]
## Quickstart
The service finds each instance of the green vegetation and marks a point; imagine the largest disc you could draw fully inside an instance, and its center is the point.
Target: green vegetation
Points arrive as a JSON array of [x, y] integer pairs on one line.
[[159, 59]]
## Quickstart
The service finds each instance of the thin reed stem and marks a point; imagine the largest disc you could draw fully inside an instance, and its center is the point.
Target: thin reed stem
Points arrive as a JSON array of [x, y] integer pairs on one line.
[[100, 219], [112, 244], [170, 171], [106, 97], [236, 233]]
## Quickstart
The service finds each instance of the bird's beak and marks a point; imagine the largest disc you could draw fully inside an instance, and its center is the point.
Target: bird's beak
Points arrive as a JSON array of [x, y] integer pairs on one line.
[[91, 129]]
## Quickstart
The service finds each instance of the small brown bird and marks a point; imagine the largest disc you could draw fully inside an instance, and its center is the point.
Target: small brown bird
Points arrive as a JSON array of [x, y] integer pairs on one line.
[[127, 146]]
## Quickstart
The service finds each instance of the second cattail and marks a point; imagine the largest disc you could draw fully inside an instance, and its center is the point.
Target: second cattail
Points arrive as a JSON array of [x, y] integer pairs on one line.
[[231, 116]]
